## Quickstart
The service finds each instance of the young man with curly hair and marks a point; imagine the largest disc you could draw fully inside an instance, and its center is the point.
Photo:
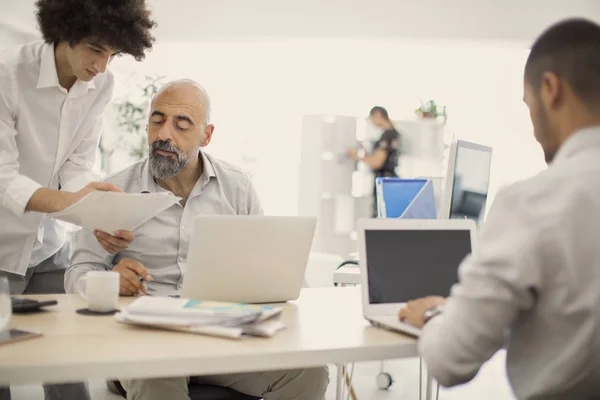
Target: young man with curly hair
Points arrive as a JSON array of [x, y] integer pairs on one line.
[[52, 97]]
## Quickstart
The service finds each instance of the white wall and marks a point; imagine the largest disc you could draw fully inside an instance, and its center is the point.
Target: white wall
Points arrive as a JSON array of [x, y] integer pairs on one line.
[[209, 20], [11, 35], [260, 91], [432, 19]]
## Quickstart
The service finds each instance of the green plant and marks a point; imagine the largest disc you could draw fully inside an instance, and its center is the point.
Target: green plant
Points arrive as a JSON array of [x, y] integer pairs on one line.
[[431, 110], [131, 122]]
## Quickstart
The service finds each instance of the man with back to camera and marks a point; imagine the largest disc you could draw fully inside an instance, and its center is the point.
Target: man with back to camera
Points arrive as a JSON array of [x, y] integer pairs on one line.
[[532, 285], [178, 127], [52, 96]]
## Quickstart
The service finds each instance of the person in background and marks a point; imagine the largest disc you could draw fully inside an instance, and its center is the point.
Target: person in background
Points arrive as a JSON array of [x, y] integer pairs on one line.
[[532, 285], [178, 129], [384, 159], [52, 97]]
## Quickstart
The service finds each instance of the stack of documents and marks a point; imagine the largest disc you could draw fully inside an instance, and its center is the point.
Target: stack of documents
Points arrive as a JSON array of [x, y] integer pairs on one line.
[[231, 320], [112, 211]]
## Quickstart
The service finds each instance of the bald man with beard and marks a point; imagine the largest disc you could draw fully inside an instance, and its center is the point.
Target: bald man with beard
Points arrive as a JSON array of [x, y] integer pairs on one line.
[[178, 130]]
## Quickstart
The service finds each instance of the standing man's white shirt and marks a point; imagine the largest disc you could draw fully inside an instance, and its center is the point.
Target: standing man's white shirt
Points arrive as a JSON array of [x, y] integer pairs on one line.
[[48, 137], [532, 286]]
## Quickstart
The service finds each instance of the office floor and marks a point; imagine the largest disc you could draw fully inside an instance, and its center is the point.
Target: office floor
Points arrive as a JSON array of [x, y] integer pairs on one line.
[[490, 384]]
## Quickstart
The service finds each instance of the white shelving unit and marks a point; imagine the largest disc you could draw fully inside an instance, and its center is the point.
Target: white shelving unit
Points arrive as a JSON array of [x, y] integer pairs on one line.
[[424, 153], [326, 181]]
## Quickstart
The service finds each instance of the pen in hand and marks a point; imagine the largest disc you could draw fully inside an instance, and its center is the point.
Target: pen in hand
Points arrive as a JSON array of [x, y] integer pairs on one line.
[[145, 288], [134, 277]]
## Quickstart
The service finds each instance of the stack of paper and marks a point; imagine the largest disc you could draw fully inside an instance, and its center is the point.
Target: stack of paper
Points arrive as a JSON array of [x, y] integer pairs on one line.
[[112, 211], [232, 320]]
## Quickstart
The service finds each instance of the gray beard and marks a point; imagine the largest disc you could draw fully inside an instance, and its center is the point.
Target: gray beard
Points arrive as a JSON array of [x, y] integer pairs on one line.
[[163, 168]]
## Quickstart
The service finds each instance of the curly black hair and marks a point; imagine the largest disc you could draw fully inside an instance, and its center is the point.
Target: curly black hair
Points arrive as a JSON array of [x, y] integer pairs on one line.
[[121, 24]]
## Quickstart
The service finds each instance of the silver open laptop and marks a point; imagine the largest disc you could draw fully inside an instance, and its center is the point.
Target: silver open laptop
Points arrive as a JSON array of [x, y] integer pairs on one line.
[[249, 259], [401, 260]]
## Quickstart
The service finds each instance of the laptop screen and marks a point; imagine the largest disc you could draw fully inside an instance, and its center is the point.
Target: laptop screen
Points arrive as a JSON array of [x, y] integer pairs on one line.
[[404, 265], [471, 181]]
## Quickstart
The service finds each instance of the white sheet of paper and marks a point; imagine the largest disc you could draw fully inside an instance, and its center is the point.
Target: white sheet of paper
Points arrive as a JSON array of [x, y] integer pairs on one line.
[[112, 211]]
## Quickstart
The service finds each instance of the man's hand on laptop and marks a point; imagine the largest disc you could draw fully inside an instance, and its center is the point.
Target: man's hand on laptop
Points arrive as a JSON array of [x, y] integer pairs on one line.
[[115, 243], [414, 310], [133, 277]]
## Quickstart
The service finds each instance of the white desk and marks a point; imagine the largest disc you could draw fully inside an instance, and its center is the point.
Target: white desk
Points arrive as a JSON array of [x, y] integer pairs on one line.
[[324, 326], [347, 275]]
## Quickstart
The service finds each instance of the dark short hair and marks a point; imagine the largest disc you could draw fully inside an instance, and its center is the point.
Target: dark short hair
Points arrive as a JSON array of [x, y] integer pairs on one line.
[[381, 111], [124, 25], [571, 50]]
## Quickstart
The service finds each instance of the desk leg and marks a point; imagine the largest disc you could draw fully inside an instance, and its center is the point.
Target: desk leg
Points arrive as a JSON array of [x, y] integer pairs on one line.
[[348, 381], [429, 383], [420, 378], [340, 382]]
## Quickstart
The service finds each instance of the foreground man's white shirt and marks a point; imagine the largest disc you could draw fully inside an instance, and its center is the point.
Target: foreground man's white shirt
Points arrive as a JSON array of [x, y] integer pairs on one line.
[[533, 285], [47, 137]]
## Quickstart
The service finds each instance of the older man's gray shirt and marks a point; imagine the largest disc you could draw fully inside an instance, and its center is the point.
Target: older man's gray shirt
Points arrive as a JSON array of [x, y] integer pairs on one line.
[[533, 285], [162, 243]]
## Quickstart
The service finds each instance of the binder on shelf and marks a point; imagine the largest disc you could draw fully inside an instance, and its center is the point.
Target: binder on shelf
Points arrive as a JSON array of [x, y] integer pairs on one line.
[[405, 198]]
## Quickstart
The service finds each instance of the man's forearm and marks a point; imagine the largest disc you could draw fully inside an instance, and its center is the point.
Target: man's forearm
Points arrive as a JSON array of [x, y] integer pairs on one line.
[[46, 200], [376, 159], [456, 343], [367, 159]]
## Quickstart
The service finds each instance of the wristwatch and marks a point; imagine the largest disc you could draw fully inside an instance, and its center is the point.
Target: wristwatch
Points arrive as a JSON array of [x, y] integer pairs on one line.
[[432, 312]]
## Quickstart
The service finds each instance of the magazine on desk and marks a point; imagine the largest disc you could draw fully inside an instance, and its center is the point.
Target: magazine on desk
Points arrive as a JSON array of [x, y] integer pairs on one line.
[[231, 320]]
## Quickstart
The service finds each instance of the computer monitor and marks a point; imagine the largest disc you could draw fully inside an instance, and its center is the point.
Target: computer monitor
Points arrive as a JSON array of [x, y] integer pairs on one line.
[[467, 181]]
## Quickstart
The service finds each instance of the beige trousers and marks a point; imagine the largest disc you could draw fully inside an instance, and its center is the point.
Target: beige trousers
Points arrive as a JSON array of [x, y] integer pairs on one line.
[[300, 384]]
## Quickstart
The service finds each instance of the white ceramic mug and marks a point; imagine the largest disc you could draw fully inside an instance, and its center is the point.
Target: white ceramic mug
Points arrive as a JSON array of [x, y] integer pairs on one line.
[[102, 290]]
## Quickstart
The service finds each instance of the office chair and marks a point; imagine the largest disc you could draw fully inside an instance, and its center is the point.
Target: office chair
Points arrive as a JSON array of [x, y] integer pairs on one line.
[[197, 392], [347, 262]]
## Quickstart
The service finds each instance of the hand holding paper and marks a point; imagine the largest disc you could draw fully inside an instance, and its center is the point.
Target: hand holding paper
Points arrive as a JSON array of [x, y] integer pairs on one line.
[[47, 200], [114, 211], [115, 243], [92, 187]]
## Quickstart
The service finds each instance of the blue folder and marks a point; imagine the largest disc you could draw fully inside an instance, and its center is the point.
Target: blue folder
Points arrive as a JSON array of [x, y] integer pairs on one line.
[[405, 198]]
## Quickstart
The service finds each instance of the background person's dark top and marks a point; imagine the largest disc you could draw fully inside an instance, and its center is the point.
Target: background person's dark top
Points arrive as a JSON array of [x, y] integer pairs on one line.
[[390, 142]]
